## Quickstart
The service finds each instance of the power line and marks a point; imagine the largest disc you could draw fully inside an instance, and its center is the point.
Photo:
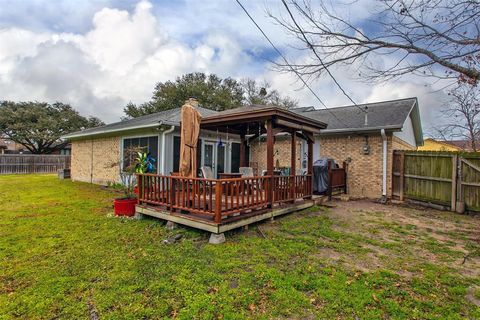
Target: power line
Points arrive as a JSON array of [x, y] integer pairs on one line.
[[288, 64], [318, 57]]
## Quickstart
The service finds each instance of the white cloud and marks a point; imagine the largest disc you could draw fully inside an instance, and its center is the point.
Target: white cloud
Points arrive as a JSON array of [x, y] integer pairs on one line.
[[118, 60], [119, 56]]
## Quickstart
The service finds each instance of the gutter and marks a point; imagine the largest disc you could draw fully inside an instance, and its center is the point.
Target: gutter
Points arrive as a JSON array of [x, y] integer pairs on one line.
[[363, 130], [100, 132], [164, 133], [383, 199]]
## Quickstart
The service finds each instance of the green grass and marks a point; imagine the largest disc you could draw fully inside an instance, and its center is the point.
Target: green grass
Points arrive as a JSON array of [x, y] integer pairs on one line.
[[62, 255]]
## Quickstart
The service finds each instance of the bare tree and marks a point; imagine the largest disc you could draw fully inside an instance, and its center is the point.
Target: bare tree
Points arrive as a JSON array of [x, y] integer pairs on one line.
[[462, 114], [438, 38]]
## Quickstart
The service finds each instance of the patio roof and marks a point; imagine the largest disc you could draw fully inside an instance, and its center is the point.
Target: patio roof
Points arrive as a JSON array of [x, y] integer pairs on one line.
[[239, 120]]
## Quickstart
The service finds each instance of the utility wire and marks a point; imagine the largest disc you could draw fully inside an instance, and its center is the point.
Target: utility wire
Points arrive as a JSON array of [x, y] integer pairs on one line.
[[309, 44], [288, 64]]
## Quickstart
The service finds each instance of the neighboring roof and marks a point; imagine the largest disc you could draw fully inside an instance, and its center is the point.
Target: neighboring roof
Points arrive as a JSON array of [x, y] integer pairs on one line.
[[431, 144], [388, 115], [465, 145], [168, 117]]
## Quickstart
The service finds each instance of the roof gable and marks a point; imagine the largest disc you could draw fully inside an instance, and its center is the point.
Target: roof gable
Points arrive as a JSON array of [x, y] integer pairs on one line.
[[389, 115]]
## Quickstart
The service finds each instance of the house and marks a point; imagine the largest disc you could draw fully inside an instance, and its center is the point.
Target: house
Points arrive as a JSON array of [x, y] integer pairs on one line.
[[363, 136], [448, 145], [430, 144], [8, 146], [222, 200]]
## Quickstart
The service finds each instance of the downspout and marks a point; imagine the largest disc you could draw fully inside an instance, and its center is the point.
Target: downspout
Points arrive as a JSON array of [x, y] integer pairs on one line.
[[163, 155], [383, 199]]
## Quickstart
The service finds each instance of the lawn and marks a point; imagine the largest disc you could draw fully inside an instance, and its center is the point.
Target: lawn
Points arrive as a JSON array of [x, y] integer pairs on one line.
[[63, 256]]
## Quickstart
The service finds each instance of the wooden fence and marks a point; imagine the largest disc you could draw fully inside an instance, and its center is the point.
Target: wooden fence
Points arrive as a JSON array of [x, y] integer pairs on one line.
[[32, 163], [450, 179]]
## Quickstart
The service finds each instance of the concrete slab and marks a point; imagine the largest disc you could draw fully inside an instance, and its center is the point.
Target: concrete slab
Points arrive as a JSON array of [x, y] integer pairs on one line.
[[217, 238], [171, 225], [139, 216]]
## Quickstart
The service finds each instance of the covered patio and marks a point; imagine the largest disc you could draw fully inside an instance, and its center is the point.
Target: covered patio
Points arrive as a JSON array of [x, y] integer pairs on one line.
[[234, 200]]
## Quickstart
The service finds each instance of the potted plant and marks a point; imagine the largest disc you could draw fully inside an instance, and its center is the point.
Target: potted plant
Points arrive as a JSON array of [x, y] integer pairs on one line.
[[135, 162], [125, 206], [144, 163]]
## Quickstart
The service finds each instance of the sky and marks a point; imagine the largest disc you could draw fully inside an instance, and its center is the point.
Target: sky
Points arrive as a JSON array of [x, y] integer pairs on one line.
[[99, 55]]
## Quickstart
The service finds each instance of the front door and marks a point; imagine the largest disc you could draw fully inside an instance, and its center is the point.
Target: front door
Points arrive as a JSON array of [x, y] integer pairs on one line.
[[214, 157]]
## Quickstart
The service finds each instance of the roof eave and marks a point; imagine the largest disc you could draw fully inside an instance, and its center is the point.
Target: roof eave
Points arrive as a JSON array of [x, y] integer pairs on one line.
[[81, 134], [262, 113], [362, 130]]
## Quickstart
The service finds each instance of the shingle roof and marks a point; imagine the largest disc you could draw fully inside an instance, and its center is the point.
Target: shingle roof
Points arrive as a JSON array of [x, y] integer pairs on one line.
[[385, 114], [167, 117], [389, 115], [462, 144]]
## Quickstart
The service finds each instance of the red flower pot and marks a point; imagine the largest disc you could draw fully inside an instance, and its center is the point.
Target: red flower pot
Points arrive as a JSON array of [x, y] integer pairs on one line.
[[124, 207]]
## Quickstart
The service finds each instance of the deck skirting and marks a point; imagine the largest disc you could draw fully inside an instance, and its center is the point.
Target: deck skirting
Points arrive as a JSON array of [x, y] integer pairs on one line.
[[229, 224]]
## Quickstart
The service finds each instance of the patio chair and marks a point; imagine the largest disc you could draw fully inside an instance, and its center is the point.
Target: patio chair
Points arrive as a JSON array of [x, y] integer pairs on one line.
[[207, 172], [299, 172], [246, 172], [254, 166]]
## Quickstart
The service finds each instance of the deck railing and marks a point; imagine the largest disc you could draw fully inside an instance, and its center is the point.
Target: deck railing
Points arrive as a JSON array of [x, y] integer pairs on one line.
[[216, 199], [337, 180]]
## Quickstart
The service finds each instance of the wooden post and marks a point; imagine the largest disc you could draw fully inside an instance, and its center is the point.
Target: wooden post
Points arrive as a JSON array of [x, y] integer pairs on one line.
[[140, 188], [345, 167], [310, 166], [293, 158], [172, 193], [32, 168], [454, 182], [270, 144], [218, 202], [329, 190], [242, 150], [402, 176]]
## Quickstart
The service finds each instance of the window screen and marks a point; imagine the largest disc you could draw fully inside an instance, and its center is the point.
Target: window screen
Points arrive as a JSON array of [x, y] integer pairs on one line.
[[235, 166], [145, 144]]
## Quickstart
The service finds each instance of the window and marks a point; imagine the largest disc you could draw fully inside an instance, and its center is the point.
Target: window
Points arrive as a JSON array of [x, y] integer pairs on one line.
[[235, 164], [176, 154], [145, 144]]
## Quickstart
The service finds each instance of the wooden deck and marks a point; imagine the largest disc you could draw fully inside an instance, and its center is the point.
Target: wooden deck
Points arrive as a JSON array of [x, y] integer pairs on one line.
[[217, 205], [233, 222]]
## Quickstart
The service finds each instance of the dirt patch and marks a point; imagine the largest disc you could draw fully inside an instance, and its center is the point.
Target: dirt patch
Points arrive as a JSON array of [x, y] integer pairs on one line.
[[405, 237], [472, 297]]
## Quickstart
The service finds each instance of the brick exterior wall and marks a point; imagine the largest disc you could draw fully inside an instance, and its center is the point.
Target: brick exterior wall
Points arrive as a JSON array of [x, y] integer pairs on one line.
[[364, 175], [365, 172], [281, 152], [105, 152]]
